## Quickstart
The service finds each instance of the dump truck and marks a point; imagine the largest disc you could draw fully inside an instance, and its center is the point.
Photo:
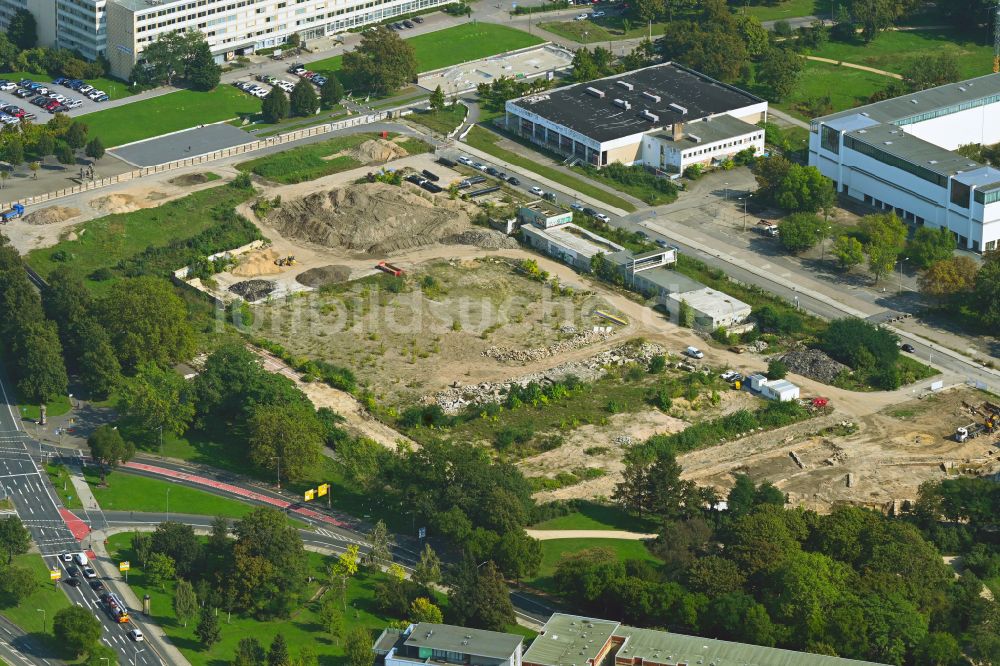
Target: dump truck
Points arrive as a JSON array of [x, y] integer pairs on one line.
[[15, 211], [767, 228], [971, 431], [395, 271]]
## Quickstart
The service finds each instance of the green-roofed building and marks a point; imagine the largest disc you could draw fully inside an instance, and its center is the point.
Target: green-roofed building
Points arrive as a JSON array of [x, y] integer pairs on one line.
[[572, 640], [429, 643]]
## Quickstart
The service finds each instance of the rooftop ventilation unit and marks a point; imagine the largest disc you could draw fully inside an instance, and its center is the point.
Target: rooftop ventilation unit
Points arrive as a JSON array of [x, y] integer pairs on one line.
[[622, 103], [932, 161], [625, 84], [649, 95], [678, 108], [595, 92], [888, 143], [651, 117], [694, 137]]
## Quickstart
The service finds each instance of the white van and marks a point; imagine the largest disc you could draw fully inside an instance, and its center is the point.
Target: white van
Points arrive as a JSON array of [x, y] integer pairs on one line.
[[694, 352], [81, 559]]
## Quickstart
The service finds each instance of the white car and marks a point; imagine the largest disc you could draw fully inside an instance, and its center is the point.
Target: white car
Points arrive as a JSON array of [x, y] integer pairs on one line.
[[136, 635], [72, 103], [465, 160], [603, 218], [581, 17], [10, 85], [537, 191], [66, 557], [86, 89], [694, 352]]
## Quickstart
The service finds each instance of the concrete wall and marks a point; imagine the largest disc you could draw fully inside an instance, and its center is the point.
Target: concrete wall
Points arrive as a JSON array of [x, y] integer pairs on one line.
[[121, 41]]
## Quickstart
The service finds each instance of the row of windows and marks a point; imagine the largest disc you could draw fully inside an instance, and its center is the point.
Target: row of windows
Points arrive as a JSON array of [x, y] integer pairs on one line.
[[947, 111], [985, 198], [212, 10], [731, 144], [894, 161], [298, 12]]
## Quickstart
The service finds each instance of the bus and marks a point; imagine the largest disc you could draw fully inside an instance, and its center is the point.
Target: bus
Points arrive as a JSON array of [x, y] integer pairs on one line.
[[117, 608]]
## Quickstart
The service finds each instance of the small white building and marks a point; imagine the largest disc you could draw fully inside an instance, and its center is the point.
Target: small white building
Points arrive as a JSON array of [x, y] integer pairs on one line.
[[781, 390], [711, 308]]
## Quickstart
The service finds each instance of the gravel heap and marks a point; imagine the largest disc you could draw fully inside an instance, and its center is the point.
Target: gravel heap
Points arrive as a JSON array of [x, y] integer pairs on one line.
[[524, 356], [487, 239], [814, 364], [456, 398], [252, 290]]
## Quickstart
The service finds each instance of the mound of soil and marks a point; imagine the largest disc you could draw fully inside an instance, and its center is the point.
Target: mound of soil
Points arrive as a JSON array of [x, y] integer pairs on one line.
[[51, 215], [814, 364], [373, 218], [252, 290], [324, 275], [117, 203], [487, 239], [377, 150], [258, 263], [189, 179]]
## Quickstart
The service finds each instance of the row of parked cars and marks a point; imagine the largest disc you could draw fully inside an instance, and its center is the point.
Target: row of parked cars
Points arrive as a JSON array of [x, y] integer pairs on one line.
[[405, 24], [496, 173], [83, 88], [299, 70]]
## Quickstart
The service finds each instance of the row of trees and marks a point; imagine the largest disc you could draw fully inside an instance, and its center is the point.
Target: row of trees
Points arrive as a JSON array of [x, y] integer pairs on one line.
[[60, 136], [19, 52], [303, 100], [960, 284]]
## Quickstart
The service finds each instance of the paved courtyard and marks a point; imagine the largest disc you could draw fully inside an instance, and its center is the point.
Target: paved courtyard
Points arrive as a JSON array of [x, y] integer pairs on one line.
[[522, 64], [180, 145]]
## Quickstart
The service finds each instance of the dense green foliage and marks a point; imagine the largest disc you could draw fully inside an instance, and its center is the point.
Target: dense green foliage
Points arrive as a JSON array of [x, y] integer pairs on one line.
[[868, 350], [382, 63]]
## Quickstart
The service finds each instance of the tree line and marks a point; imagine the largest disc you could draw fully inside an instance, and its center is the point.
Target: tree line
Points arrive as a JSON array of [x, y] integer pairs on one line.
[[61, 136]]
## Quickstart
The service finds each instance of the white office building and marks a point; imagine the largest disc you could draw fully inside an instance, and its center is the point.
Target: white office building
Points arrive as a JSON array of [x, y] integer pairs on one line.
[[900, 155], [238, 27], [77, 25]]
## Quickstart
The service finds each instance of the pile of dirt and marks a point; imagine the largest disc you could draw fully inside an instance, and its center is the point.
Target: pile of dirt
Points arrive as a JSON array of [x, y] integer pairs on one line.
[[814, 364], [376, 150], [258, 263], [372, 218], [189, 179], [252, 290], [324, 275], [51, 215], [118, 203], [487, 239]]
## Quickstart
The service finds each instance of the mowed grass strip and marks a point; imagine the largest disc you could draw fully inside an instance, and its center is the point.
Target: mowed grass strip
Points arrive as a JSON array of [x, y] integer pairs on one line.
[[594, 516], [442, 121], [169, 113], [130, 492], [461, 43], [486, 141], [553, 551], [789, 9], [105, 241]]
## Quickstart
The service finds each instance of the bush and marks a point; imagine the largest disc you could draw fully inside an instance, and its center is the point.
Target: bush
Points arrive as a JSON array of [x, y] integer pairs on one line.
[[710, 433], [694, 172], [776, 369], [783, 28], [657, 364]]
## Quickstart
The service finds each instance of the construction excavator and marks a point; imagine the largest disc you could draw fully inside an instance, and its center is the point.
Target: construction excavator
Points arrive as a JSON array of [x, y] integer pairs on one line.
[[285, 261]]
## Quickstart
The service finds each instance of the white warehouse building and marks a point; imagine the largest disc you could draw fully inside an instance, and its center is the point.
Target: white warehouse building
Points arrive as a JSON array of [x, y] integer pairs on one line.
[[665, 117], [238, 27], [900, 155]]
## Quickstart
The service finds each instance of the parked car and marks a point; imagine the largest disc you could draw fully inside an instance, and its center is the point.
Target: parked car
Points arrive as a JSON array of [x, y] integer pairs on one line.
[[590, 211], [603, 218], [479, 165], [72, 582], [694, 352], [513, 181], [492, 171], [96, 586], [661, 242], [89, 572], [8, 85], [408, 24], [102, 98], [24, 93], [594, 15], [536, 190], [576, 206], [464, 160], [549, 196], [86, 88], [418, 19], [581, 17]]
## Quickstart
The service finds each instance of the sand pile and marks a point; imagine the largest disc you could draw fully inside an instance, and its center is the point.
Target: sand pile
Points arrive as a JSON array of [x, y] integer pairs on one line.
[[377, 150], [258, 263], [51, 215], [487, 239], [324, 275], [118, 203], [373, 218]]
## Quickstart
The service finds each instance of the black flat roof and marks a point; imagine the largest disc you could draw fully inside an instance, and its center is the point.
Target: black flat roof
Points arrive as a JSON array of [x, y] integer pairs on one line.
[[602, 120]]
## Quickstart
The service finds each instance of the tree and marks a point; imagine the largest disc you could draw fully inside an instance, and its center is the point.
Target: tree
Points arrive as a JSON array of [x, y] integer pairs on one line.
[[94, 149], [22, 30], [160, 569], [344, 569], [276, 105], [776, 369], [45, 144], [38, 363], [332, 619], [885, 235], [278, 654], [938, 649], [208, 630], [35, 166], [142, 546], [76, 629], [685, 314], [422, 610], [478, 597], [17, 584], [518, 555], [76, 135], [930, 245], [101, 655], [156, 398], [986, 294], [382, 62], [779, 70], [428, 569], [285, 438], [707, 47], [97, 365], [754, 34], [15, 539], [874, 16], [185, 601], [800, 231], [931, 70], [804, 188], [358, 647], [651, 484], [64, 153], [249, 652], [303, 101], [202, 71], [270, 563], [380, 546], [331, 92], [849, 251], [108, 448], [13, 151], [178, 542], [437, 99]]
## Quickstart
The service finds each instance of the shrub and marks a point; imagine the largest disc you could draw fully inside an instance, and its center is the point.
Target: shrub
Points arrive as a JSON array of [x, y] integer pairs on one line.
[[776, 369], [694, 172]]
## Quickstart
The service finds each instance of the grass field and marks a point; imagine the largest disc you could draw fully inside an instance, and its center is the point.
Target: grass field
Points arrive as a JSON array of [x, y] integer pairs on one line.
[[106, 240], [47, 597], [606, 29], [115, 89], [894, 51], [168, 113], [594, 516], [486, 141], [461, 43], [59, 476], [553, 551], [846, 88], [301, 629], [788, 9], [442, 121]]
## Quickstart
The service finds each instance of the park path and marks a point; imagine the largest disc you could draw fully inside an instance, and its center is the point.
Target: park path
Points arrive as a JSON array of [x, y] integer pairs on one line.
[[864, 68], [547, 535]]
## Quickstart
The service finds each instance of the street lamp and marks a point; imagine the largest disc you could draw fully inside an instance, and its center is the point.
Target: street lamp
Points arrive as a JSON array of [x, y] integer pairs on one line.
[[900, 283], [44, 623], [168, 505], [745, 200], [135, 659], [826, 234]]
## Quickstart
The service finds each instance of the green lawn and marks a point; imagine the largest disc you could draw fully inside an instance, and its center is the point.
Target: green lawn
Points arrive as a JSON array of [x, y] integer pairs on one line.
[[59, 476], [846, 88], [301, 629], [894, 51], [441, 121], [461, 43], [57, 407], [606, 29], [169, 113], [114, 88], [787, 9], [47, 597], [486, 141], [105, 241], [594, 516], [553, 551]]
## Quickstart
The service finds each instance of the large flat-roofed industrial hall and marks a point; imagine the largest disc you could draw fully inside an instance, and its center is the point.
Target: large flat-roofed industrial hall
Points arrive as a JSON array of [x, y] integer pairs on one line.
[[901, 155], [666, 117]]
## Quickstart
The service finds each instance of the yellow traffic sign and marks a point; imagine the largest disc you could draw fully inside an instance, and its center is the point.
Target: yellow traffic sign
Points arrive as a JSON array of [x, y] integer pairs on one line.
[[323, 489], [124, 566], [310, 494], [55, 574]]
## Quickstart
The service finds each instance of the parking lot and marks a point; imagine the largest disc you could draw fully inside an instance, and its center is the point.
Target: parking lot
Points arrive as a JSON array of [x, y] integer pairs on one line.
[[524, 64], [262, 84], [9, 97]]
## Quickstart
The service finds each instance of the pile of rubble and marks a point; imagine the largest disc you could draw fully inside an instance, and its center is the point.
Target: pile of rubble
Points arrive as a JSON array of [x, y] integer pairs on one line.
[[757, 346], [814, 364], [458, 397], [524, 356], [486, 239], [252, 290]]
